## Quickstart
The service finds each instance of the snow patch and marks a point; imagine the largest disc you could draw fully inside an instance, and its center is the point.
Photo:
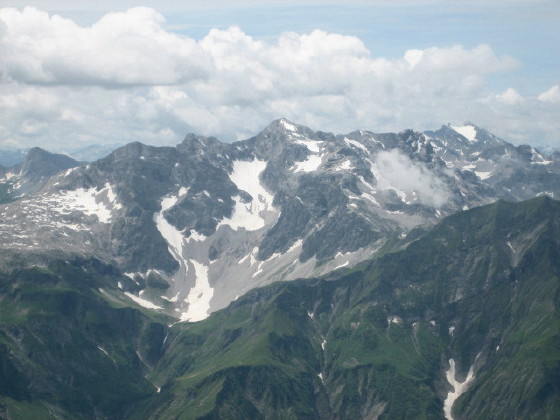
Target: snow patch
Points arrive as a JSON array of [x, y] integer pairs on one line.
[[510, 246], [288, 125], [103, 350], [459, 388], [370, 198], [111, 196], [341, 265], [311, 164], [259, 269], [199, 296], [297, 244], [344, 166], [87, 201], [467, 131], [252, 256], [356, 144], [68, 171], [483, 175], [170, 233], [245, 176], [196, 237], [142, 302], [312, 145]]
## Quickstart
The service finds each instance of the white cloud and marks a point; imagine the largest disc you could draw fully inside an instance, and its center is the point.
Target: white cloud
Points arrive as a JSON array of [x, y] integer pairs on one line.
[[510, 97], [126, 77], [129, 48], [552, 95], [396, 171]]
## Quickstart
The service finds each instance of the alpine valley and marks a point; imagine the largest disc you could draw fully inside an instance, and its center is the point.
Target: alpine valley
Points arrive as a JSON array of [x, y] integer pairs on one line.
[[292, 275]]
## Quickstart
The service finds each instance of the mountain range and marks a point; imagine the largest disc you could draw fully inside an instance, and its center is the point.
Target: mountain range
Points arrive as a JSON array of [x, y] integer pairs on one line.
[[395, 275]]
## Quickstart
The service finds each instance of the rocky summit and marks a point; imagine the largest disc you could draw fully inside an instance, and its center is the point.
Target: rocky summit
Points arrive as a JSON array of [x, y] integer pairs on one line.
[[296, 274]]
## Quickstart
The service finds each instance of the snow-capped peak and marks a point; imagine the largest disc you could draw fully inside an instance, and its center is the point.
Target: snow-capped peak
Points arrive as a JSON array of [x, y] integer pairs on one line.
[[468, 131], [288, 125]]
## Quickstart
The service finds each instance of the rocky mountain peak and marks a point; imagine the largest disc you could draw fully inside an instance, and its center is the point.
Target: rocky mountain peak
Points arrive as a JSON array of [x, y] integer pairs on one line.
[[40, 163], [193, 143]]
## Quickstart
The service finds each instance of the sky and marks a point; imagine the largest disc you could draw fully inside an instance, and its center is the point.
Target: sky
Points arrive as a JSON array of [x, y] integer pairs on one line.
[[76, 73]]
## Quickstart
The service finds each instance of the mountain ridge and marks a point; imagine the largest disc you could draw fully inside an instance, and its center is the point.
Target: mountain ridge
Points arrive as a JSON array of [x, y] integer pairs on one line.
[[217, 219]]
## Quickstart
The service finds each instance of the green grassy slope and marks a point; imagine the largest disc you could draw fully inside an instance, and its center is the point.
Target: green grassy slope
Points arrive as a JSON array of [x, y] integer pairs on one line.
[[65, 351]]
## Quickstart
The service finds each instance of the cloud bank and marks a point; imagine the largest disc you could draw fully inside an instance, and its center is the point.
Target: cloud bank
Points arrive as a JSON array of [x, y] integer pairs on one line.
[[127, 78]]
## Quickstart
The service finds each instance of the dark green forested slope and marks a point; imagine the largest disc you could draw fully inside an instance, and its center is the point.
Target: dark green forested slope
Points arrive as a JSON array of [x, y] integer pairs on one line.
[[482, 287]]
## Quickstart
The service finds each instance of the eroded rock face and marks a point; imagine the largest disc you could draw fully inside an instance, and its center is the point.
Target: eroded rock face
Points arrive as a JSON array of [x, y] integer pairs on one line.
[[213, 220]]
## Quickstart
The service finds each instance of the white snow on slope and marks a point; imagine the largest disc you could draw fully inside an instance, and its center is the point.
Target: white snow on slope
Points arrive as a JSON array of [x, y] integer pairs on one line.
[[458, 388], [170, 233], [311, 164], [142, 302], [483, 175], [199, 296], [288, 125], [69, 171], [248, 215], [354, 143], [297, 244], [87, 201], [344, 166], [345, 264], [198, 299], [312, 146], [104, 351], [196, 237], [111, 196], [467, 131]]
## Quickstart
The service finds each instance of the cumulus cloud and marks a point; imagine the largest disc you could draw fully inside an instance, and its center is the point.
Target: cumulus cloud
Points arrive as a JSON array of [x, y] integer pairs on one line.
[[126, 77], [552, 95], [128, 48], [510, 97], [395, 171]]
